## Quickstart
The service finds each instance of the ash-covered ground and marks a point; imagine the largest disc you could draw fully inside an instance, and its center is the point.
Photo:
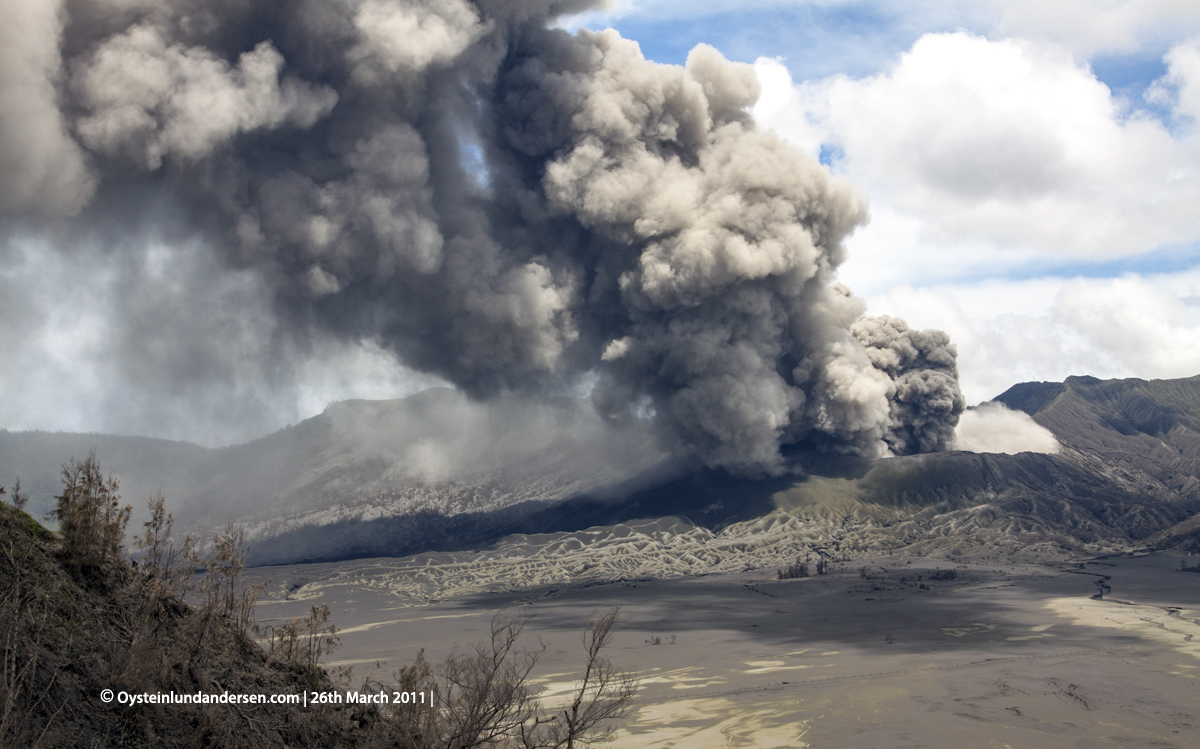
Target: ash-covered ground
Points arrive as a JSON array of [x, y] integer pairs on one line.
[[999, 655]]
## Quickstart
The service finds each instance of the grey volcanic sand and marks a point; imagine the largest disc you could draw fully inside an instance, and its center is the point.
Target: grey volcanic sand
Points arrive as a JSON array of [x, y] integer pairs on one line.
[[1001, 656]]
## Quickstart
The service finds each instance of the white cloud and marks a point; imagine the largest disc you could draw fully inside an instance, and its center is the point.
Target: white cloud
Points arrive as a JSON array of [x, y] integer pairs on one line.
[[1010, 145], [986, 159], [1048, 329], [781, 108], [994, 428], [1089, 27], [1144, 328], [1180, 87]]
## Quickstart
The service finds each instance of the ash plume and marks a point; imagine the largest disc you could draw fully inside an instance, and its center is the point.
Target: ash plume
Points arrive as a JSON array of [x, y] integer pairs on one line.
[[502, 204]]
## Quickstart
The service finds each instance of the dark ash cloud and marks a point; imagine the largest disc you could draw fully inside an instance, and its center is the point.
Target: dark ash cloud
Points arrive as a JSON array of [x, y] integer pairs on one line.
[[496, 203]]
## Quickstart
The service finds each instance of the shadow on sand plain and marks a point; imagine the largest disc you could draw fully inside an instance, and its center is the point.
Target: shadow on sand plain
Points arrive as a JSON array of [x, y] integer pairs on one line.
[[889, 614]]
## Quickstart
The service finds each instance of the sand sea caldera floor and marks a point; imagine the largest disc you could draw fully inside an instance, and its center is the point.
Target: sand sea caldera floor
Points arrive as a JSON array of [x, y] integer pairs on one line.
[[999, 656]]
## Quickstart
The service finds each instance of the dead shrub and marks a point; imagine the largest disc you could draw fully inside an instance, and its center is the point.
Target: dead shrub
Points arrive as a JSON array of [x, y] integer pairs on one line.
[[91, 518]]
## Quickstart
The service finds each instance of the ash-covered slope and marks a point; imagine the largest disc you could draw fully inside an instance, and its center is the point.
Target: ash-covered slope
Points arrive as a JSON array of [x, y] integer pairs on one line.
[[1128, 472], [1124, 479], [1125, 474], [1148, 427], [436, 454], [438, 472], [143, 465], [1142, 437], [436, 451]]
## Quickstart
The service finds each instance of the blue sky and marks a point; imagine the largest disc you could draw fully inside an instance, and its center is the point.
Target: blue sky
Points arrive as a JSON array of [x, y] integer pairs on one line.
[[1033, 169], [815, 40]]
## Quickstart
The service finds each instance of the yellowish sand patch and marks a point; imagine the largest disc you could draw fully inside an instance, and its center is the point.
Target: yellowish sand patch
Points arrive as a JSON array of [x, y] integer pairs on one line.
[[767, 666], [1041, 633], [351, 662], [690, 677], [370, 626], [972, 629], [1147, 622], [448, 616], [373, 625], [775, 669], [554, 686], [699, 684], [769, 669], [716, 723], [557, 693]]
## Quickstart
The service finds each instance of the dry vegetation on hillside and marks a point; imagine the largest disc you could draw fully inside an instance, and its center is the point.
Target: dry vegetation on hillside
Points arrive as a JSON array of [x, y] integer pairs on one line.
[[76, 619]]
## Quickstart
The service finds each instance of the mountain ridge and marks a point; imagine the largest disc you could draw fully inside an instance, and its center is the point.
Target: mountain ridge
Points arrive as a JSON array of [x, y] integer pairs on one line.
[[436, 471]]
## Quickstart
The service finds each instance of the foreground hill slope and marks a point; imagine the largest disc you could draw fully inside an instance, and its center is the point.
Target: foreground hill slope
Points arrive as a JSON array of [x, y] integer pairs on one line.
[[71, 632], [101, 654]]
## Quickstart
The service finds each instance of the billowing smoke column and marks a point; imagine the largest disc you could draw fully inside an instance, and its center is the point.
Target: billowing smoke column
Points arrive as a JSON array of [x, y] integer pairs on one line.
[[509, 206]]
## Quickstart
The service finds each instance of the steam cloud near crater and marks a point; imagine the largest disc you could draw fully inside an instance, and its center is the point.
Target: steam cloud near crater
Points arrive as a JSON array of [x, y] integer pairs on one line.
[[508, 206], [993, 427]]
